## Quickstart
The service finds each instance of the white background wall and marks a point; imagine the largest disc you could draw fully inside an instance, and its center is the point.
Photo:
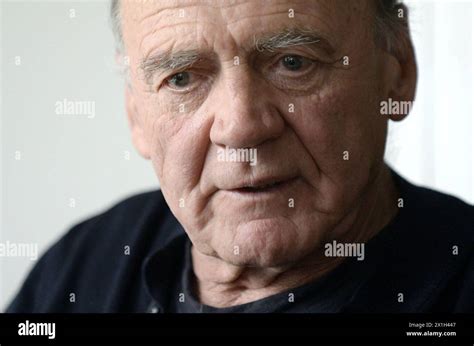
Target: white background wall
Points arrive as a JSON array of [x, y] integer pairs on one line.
[[64, 157], [434, 145]]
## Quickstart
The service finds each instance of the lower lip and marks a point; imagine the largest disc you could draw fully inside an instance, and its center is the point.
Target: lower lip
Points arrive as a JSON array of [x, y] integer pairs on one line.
[[268, 191]]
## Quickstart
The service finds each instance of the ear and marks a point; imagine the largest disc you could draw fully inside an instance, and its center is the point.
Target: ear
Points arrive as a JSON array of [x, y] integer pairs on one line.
[[139, 138], [402, 78]]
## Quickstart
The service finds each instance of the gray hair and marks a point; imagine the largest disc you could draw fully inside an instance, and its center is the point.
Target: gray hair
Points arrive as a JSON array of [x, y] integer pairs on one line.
[[391, 26], [116, 23]]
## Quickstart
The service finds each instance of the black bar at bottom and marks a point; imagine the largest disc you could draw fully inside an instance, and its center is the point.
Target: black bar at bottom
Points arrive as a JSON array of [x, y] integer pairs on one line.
[[291, 329]]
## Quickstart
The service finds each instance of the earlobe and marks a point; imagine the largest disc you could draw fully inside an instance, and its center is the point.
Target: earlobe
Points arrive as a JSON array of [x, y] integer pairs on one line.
[[139, 138], [404, 82]]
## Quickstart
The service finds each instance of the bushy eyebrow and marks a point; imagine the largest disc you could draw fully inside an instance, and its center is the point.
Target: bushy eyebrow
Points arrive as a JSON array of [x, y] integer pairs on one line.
[[168, 61], [184, 59], [291, 37]]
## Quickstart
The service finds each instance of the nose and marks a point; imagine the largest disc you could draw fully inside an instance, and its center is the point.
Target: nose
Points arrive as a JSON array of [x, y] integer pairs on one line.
[[245, 115]]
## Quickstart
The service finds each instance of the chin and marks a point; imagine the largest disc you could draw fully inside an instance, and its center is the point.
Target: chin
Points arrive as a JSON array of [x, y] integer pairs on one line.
[[266, 242]]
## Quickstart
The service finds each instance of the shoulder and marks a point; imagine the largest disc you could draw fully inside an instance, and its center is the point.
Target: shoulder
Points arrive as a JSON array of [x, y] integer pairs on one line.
[[430, 211], [112, 227], [136, 211], [446, 230], [431, 252], [94, 254]]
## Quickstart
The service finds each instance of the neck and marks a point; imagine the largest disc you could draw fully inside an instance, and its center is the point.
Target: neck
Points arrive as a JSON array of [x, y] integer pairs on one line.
[[221, 284]]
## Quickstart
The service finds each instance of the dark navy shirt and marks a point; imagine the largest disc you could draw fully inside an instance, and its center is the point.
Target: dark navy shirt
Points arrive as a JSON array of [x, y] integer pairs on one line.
[[135, 257], [328, 294]]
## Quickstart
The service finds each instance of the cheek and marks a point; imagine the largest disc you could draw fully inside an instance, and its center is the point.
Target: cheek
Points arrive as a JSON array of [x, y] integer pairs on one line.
[[344, 135], [178, 143], [337, 120]]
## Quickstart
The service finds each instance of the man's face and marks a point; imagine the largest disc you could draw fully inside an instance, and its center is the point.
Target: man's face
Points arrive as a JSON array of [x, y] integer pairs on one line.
[[310, 108]]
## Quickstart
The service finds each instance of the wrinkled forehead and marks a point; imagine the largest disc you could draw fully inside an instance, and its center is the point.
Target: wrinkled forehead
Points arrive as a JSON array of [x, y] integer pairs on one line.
[[225, 24]]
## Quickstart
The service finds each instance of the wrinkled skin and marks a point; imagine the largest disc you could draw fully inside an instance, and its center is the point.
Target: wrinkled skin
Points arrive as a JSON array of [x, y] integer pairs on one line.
[[248, 245]]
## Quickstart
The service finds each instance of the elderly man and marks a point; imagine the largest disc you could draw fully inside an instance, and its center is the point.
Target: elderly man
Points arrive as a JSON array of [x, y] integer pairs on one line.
[[263, 121]]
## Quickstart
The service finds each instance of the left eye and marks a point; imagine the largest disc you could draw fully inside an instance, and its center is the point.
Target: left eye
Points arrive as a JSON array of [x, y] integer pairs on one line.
[[179, 80], [293, 62]]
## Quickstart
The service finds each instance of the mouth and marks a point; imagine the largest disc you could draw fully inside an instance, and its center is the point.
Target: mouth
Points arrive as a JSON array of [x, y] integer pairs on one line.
[[270, 185]]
